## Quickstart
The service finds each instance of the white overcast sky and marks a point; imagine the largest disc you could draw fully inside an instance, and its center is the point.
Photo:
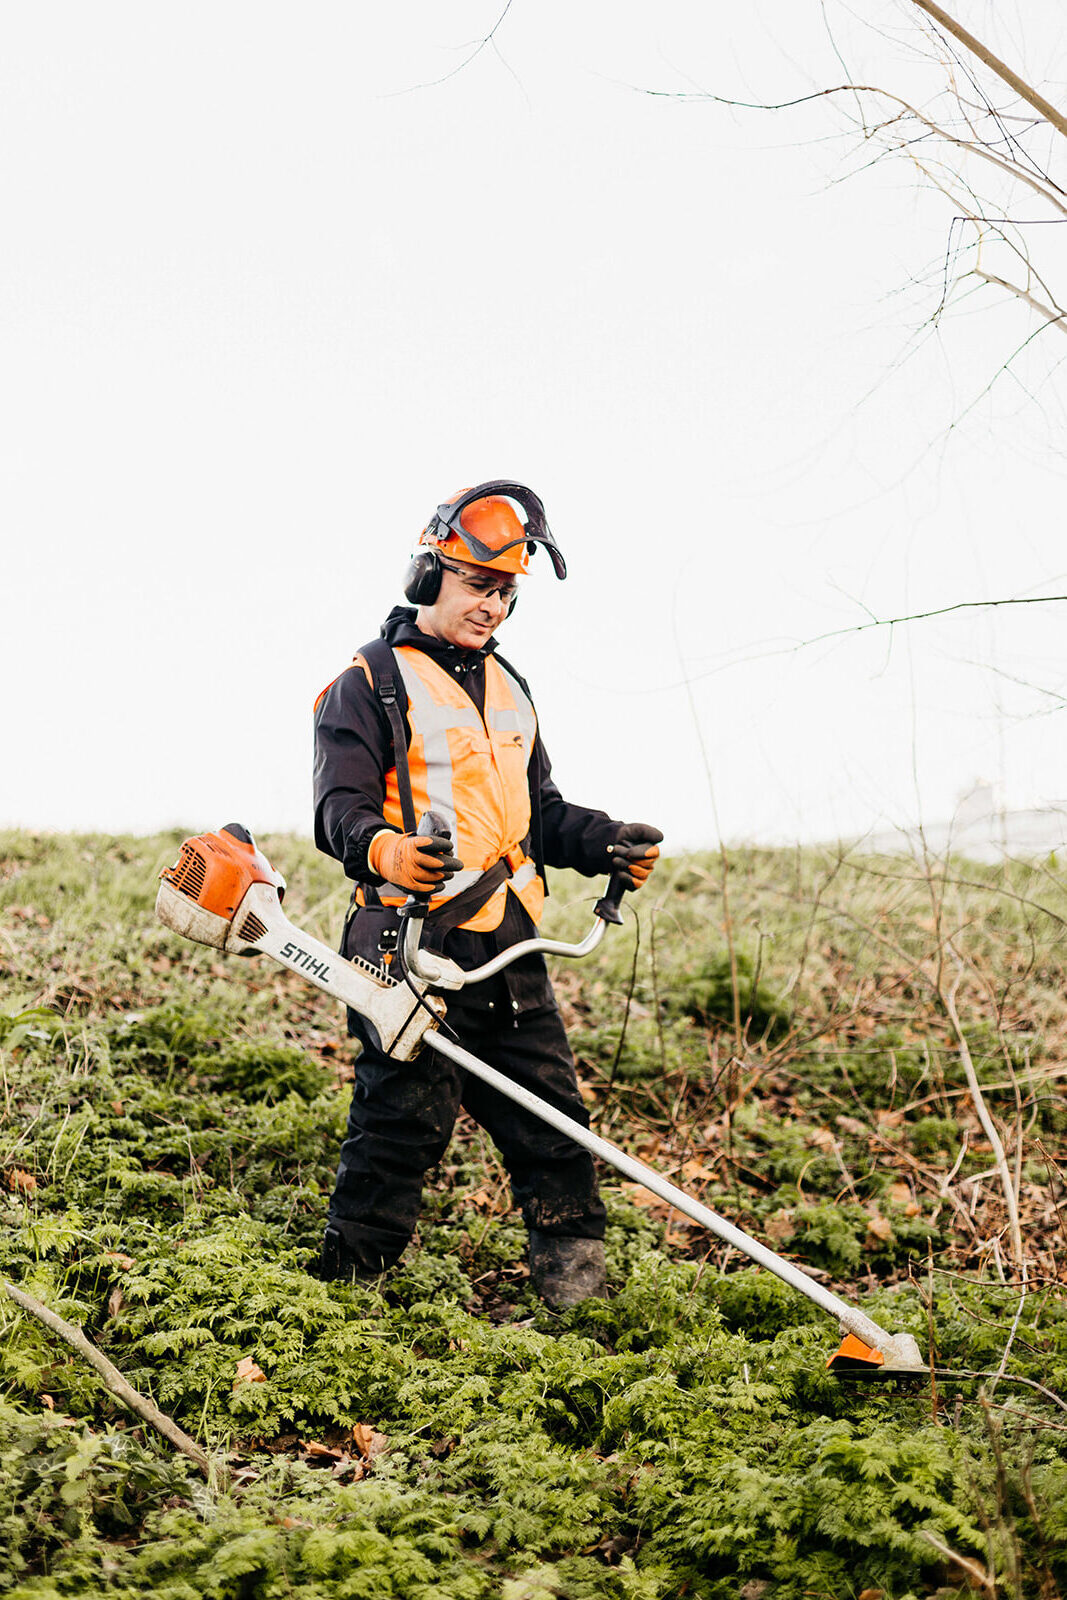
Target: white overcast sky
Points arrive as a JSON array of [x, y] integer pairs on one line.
[[269, 291]]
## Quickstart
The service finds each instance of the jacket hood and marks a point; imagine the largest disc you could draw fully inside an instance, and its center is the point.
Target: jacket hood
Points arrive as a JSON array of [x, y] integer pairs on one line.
[[400, 627]]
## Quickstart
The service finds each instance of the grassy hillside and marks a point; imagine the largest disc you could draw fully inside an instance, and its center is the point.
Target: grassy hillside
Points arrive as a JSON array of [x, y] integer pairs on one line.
[[787, 1039]]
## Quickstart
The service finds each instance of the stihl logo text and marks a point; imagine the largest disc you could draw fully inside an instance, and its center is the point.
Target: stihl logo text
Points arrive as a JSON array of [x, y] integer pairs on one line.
[[301, 958]]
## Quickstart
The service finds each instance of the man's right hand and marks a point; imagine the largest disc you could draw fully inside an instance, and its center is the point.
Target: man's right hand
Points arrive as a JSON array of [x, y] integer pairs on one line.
[[413, 862]]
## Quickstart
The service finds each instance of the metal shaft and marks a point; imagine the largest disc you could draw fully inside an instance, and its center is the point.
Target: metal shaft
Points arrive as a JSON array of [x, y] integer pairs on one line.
[[851, 1320]]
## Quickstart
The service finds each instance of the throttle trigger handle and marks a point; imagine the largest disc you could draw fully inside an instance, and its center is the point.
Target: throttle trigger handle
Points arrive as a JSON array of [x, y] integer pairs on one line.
[[609, 907]]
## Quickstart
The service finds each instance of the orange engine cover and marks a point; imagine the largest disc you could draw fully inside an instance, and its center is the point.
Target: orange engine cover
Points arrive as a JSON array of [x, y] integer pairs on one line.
[[217, 870]]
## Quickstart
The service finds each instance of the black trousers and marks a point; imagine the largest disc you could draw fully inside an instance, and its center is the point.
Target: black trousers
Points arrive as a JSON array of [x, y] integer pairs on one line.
[[402, 1118]]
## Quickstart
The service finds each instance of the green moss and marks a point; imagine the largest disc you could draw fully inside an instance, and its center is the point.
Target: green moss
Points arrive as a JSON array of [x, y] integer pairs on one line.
[[169, 1131], [705, 990]]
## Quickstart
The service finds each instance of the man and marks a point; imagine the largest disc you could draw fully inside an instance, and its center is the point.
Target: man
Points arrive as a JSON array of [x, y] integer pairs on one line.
[[428, 717]]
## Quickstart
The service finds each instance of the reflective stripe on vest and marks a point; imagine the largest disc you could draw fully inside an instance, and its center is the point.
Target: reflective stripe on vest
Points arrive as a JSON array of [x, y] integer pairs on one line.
[[472, 772]]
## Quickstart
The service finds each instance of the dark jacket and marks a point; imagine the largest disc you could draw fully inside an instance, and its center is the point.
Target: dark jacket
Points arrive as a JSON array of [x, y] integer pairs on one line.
[[353, 753]]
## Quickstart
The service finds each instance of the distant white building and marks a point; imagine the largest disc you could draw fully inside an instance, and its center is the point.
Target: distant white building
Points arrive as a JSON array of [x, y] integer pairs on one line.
[[981, 828]]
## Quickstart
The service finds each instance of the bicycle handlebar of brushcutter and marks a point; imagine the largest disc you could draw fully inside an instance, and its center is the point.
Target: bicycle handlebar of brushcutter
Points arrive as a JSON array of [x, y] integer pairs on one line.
[[445, 974], [224, 893]]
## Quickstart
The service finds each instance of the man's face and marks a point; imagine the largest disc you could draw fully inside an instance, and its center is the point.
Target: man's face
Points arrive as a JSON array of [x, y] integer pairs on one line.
[[470, 606]]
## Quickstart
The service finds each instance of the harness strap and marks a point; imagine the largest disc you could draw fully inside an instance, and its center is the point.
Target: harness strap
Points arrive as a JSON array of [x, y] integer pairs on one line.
[[468, 901], [384, 670], [472, 899]]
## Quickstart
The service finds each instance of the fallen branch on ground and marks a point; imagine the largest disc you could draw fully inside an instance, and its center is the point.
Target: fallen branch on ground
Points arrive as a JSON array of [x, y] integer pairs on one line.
[[146, 1409]]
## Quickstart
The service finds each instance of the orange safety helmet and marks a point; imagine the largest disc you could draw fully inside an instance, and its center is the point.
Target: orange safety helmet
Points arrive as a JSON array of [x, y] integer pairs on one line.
[[495, 523], [481, 525]]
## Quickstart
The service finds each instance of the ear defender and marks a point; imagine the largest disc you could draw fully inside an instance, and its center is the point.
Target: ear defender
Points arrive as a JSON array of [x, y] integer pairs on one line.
[[422, 581]]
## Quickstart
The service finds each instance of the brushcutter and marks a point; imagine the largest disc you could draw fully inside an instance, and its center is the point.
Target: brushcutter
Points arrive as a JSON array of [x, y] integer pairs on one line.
[[224, 893]]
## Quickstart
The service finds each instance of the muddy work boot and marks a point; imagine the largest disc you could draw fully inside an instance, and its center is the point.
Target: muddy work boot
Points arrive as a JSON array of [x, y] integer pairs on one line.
[[338, 1264], [566, 1271]]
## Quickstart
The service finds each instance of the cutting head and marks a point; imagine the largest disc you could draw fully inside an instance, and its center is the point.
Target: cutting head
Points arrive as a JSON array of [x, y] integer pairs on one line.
[[901, 1358]]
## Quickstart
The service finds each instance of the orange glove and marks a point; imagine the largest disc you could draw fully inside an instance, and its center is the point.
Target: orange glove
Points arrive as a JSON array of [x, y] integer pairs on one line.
[[632, 853], [412, 861]]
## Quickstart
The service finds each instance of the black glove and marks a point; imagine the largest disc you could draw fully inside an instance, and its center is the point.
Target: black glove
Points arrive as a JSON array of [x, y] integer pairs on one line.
[[635, 852]]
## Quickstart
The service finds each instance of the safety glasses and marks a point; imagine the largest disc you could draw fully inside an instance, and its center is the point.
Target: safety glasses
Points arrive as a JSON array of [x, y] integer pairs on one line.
[[484, 588]]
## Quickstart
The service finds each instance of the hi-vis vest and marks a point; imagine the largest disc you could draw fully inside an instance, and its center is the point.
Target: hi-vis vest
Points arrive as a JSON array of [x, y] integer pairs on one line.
[[472, 770]]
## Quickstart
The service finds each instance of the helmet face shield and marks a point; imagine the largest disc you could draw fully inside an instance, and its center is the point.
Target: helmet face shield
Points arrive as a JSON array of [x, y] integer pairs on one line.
[[447, 521]]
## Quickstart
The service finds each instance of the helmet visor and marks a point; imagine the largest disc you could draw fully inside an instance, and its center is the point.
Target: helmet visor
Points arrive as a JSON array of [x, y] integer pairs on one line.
[[487, 554], [535, 532]]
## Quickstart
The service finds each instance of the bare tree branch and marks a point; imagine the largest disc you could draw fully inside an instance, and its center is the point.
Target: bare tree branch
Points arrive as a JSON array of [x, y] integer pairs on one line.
[[940, 138], [938, 134], [1057, 317], [1001, 68], [972, 146]]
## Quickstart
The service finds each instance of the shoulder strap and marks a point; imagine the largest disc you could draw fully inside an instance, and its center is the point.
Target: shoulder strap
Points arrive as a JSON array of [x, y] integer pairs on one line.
[[386, 672]]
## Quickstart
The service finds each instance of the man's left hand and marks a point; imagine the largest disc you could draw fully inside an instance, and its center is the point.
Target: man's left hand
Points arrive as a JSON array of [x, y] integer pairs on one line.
[[635, 851]]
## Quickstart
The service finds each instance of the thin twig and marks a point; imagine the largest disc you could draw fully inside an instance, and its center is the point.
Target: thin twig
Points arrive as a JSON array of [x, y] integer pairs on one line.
[[1051, 315], [930, 1332], [479, 47], [1011, 1334], [1028, 1416], [1009, 1377], [948, 1000]]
